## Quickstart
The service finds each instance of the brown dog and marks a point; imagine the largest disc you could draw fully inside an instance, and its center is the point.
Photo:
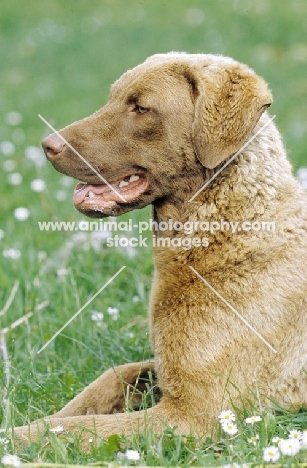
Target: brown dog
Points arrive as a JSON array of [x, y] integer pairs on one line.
[[234, 324]]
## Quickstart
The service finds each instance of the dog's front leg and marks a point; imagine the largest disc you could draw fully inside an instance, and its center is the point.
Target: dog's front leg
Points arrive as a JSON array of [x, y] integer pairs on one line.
[[114, 391], [92, 428]]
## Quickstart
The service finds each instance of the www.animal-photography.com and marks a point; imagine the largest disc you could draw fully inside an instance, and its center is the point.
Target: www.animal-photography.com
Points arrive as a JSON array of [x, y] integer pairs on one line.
[[153, 236]]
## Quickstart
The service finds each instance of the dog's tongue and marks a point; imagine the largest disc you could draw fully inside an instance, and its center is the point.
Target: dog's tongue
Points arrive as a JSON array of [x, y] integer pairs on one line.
[[82, 190]]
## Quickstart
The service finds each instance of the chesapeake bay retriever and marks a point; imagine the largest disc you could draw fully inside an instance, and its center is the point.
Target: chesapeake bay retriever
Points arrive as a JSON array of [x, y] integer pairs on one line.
[[170, 125]]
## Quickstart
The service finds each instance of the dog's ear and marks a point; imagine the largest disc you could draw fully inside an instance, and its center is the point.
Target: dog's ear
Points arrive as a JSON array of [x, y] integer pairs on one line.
[[229, 103]]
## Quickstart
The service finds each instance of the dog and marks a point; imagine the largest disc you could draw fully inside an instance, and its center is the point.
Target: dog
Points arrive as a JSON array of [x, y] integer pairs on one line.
[[190, 135]]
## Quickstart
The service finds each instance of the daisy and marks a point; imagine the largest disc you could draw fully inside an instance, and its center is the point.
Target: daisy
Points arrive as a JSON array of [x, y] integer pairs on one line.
[[14, 178], [97, 316], [302, 176], [21, 213], [276, 440], [271, 454], [304, 440], [229, 427], [66, 181], [11, 460], [60, 195], [3, 441], [56, 430], [13, 118], [295, 434], [226, 416], [38, 185], [35, 155], [113, 312], [302, 173], [42, 255], [253, 419], [9, 165], [7, 148], [14, 254], [62, 272], [132, 455], [253, 440], [289, 446]]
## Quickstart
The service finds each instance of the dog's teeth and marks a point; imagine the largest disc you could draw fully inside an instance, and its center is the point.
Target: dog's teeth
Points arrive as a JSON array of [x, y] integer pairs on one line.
[[91, 194], [123, 183], [133, 178]]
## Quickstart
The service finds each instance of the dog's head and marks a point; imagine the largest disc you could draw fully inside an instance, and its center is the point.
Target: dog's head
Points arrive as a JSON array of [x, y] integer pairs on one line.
[[165, 122]]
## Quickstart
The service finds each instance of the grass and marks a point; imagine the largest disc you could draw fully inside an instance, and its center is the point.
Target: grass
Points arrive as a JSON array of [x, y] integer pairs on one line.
[[58, 59]]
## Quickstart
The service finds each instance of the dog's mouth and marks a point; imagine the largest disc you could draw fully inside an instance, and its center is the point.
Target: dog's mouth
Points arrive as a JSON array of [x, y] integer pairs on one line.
[[103, 197]]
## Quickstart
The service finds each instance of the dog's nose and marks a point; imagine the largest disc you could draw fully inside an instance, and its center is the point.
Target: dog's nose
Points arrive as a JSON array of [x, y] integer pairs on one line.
[[52, 145]]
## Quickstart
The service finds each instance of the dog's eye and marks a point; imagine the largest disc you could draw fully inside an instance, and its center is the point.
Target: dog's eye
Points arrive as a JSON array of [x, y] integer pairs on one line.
[[141, 110]]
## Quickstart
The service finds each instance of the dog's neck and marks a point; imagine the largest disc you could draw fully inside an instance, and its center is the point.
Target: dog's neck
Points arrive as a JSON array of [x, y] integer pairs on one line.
[[249, 187], [179, 205]]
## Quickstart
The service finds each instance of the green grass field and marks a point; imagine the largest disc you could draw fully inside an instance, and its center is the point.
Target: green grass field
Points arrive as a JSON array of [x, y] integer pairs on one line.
[[58, 59]]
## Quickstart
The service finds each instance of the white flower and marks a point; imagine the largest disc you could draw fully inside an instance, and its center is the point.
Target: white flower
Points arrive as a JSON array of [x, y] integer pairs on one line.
[[98, 238], [304, 183], [60, 195], [62, 272], [11, 460], [135, 299], [1, 234], [295, 434], [90, 440], [226, 416], [229, 427], [3, 441], [35, 155], [271, 454], [234, 465], [276, 440], [304, 440], [7, 148], [13, 118], [253, 439], [56, 429], [302, 173], [14, 254], [97, 316], [21, 213], [253, 419], [37, 282], [9, 165], [132, 455], [42, 255], [289, 446], [114, 312], [194, 17], [38, 185], [66, 181], [14, 179]]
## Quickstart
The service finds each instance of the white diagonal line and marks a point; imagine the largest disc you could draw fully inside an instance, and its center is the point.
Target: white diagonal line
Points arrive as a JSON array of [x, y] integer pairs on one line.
[[82, 308], [81, 157], [234, 310], [232, 158]]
